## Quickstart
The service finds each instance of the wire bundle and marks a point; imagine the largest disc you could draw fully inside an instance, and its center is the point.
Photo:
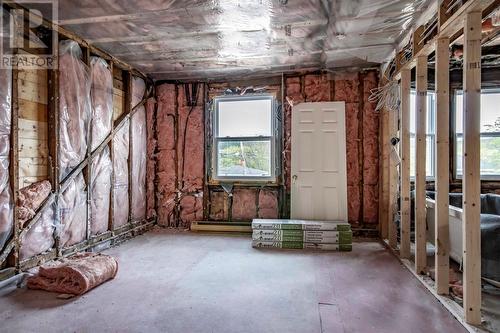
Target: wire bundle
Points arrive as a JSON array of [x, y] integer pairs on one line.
[[386, 96]]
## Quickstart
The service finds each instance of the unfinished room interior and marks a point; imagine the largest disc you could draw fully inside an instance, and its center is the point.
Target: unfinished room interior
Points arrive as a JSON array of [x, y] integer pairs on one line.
[[250, 166]]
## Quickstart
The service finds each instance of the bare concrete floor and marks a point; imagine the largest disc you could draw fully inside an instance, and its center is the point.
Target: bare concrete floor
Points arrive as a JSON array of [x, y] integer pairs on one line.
[[185, 282]]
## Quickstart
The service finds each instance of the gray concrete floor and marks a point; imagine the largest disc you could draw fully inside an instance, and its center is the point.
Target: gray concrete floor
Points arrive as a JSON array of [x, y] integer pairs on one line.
[[184, 282]]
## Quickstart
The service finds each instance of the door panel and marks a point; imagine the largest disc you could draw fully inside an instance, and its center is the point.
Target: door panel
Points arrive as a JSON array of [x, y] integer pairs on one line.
[[319, 179]]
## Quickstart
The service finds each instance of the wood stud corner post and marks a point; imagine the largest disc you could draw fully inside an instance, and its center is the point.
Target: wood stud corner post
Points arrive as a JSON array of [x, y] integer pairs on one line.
[[441, 218], [420, 175], [393, 180], [471, 164], [405, 164]]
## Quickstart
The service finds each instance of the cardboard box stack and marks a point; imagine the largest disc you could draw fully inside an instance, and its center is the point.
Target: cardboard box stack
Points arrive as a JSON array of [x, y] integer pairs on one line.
[[301, 234]]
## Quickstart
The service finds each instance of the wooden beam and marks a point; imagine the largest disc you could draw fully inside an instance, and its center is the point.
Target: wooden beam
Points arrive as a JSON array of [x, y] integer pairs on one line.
[[420, 156], [405, 164], [393, 180], [471, 163], [384, 175], [442, 243], [14, 163]]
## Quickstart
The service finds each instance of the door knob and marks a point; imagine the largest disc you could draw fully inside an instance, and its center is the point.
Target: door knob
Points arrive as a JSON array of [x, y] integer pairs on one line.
[[294, 178]]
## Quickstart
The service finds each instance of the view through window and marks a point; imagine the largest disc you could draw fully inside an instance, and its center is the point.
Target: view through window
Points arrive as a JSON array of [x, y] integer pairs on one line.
[[490, 133], [430, 164], [243, 138]]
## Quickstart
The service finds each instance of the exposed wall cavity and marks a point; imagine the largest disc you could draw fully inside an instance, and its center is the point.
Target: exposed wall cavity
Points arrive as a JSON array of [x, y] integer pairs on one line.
[[180, 155], [180, 189]]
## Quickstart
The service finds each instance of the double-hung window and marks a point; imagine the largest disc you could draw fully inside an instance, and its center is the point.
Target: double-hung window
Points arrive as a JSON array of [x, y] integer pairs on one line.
[[490, 133], [244, 138], [430, 164]]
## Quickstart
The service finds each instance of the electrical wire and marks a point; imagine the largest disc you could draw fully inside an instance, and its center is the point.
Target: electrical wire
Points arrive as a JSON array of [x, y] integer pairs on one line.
[[386, 96]]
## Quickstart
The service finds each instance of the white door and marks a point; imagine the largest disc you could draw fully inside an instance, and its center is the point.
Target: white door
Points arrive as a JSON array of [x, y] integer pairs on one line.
[[319, 178]]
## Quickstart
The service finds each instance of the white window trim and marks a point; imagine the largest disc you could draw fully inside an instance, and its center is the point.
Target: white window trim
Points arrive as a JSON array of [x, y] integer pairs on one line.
[[215, 140]]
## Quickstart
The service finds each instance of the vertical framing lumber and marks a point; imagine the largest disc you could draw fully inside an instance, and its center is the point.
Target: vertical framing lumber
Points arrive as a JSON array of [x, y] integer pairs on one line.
[[14, 163], [53, 135], [442, 77], [128, 109], [88, 174], [405, 165], [471, 231], [111, 218], [383, 204], [421, 128], [393, 180]]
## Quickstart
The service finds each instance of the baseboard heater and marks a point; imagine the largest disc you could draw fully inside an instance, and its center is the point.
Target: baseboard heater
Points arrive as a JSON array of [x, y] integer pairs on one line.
[[245, 227]]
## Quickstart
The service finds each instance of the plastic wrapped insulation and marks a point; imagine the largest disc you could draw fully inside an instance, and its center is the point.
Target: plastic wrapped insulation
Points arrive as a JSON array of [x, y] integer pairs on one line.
[[139, 148], [120, 168], [73, 213], [40, 237], [101, 189], [102, 100], [74, 106], [6, 204], [31, 198]]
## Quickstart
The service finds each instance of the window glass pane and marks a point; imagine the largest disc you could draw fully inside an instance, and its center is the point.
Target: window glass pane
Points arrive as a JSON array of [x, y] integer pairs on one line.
[[490, 116], [412, 156], [490, 155], [431, 114], [244, 118], [244, 159], [430, 157]]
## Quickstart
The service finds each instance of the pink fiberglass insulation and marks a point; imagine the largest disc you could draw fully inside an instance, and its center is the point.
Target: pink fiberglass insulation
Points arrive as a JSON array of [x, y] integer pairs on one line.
[[138, 152], [370, 151], [100, 186], [151, 159], [317, 88], [6, 216], [74, 275], [191, 171], [31, 197], [102, 100], [73, 212], [120, 168], [40, 237], [268, 204], [74, 106], [166, 159], [346, 87], [244, 204]]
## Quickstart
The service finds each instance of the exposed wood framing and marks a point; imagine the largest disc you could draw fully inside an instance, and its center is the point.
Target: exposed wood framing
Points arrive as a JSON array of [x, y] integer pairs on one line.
[[384, 174], [14, 162], [442, 257], [405, 164], [32, 110], [471, 158], [393, 180], [420, 156]]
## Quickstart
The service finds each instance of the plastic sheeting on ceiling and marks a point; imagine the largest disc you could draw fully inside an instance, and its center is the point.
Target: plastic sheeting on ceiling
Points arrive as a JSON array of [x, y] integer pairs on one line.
[[221, 39]]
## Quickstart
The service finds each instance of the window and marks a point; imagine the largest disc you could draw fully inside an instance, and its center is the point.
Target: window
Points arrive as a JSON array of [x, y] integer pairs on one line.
[[490, 134], [430, 135], [244, 142]]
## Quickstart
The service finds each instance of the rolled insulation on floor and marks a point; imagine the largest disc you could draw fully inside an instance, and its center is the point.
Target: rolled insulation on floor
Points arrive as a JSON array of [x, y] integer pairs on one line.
[[102, 100], [74, 106], [101, 188], [120, 167], [75, 275]]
